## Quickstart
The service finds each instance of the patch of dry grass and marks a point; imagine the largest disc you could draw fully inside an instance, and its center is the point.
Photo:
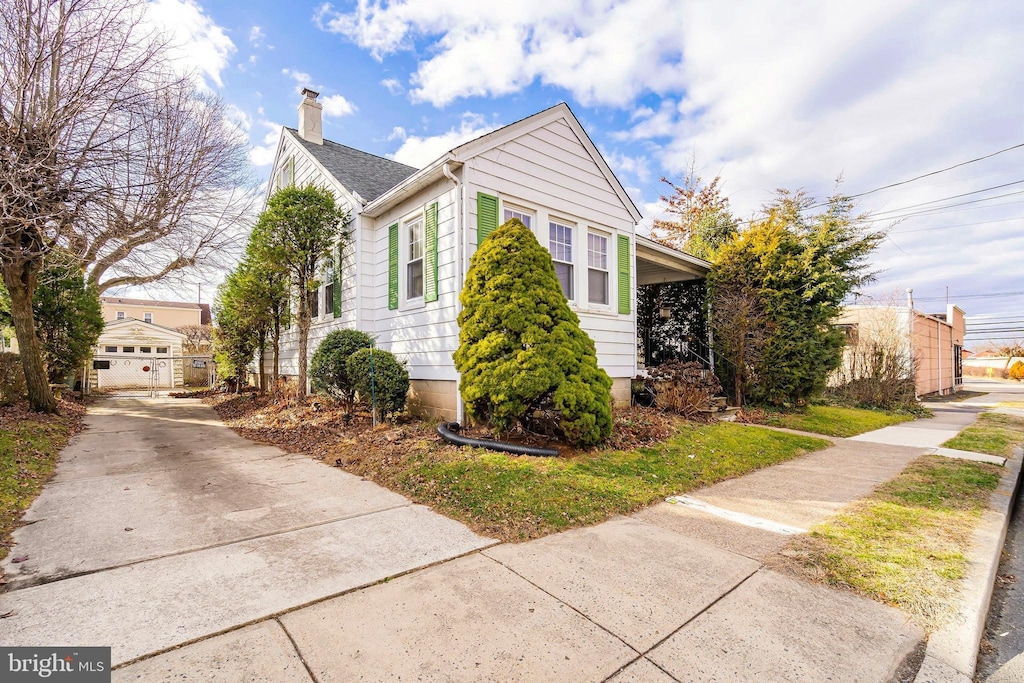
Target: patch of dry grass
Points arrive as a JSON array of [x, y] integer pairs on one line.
[[906, 544]]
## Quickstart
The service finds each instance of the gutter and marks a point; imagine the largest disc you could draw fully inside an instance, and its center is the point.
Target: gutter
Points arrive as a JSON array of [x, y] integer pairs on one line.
[[409, 186]]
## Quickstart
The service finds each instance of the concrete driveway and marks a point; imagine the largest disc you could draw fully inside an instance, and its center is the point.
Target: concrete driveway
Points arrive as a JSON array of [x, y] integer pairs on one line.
[[162, 526]]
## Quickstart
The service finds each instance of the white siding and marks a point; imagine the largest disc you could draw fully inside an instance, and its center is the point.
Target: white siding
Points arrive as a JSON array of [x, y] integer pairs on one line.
[[423, 335], [547, 170], [550, 172], [307, 171]]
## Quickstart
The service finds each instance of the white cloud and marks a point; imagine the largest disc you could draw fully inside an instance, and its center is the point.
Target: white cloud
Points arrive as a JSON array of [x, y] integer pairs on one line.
[[263, 155], [393, 85], [302, 79], [603, 51], [337, 105], [256, 36], [419, 151], [767, 93], [198, 44], [397, 133]]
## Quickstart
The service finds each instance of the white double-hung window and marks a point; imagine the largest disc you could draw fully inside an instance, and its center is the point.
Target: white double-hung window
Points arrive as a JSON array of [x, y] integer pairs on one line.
[[511, 212], [414, 262], [597, 268], [560, 245]]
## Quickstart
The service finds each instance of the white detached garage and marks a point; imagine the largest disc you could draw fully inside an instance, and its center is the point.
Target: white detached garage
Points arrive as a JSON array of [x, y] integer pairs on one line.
[[414, 232], [133, 354]]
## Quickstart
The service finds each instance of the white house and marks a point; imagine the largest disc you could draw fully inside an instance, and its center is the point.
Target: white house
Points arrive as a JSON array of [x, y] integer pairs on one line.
[[414, 231], [134, 353]]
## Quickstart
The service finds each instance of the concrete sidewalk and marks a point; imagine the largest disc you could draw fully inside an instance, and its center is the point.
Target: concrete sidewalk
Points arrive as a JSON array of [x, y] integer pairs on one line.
[[676, 593], [162, 526]]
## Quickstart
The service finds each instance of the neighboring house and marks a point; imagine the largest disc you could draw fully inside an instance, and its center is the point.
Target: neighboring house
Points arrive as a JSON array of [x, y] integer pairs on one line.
[[414, 231], [172, 314], [133, 353], [937, 340], [169, 314]]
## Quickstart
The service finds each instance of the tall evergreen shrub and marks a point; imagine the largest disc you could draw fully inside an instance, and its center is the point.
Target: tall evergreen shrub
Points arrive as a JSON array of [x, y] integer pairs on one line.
[[522, 355]]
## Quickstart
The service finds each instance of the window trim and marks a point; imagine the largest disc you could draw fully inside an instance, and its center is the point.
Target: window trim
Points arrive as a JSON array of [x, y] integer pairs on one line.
[[120, 315], [607, 237], [109, 348], [147, 317], [573, 297], [404, 300], [127, 349], [163, 350], [520, 209]]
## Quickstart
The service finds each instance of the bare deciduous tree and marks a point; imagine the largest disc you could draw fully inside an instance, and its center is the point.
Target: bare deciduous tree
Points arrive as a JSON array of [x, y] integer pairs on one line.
[[107, 153], [196, 337]]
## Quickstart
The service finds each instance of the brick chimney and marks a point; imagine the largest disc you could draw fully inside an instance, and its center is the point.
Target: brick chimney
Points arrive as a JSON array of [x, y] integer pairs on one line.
[[310, 118]]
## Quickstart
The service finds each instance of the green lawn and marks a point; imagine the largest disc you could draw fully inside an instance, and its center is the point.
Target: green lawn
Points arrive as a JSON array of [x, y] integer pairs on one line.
[[834, 420], [992, 433], [904, 545], [28, 455], [517, 498]]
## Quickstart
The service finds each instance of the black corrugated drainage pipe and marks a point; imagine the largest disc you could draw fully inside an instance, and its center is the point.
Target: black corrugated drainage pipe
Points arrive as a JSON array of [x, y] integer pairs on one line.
[[448, 430]]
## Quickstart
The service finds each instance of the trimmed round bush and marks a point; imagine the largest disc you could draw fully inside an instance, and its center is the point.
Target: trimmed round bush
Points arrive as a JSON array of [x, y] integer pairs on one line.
[[390, 379], [328, 370], [12, 379], [522, 355]]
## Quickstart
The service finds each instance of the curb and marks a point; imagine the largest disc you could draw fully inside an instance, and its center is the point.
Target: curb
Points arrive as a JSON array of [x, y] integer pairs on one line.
[[952, 652]]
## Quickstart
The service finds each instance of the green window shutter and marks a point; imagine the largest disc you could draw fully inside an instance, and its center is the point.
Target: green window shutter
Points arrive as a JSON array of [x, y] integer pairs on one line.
[[393, 267], [625, 294], [337, 284], [486, 216], [430, 254]]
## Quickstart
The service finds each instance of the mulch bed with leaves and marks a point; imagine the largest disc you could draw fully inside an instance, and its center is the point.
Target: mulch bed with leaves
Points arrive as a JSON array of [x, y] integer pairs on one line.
[[650, 455]]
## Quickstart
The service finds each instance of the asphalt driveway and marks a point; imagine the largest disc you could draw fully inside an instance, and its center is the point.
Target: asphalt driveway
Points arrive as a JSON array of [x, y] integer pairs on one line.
[[162, 526]]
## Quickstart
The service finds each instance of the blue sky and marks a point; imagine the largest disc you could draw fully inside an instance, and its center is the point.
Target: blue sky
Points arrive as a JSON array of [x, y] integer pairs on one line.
[[773, 93]]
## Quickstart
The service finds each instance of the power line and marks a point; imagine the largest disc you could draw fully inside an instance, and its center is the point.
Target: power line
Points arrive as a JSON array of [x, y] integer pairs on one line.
[[949, 208], [959, 225], [931, 173], [957, 196], [984, 295]]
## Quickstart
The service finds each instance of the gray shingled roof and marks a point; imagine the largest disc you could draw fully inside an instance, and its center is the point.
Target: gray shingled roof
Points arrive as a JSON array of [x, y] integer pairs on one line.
[[367, 174]]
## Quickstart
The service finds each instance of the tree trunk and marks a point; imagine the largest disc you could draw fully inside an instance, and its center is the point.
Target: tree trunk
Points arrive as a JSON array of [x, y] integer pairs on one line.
[[21, 280], [277, 346], [304, 322], [263, 363]]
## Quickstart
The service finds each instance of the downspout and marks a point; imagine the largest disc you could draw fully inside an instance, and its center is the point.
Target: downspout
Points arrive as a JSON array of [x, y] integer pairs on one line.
[[938, 351], [460, 221]]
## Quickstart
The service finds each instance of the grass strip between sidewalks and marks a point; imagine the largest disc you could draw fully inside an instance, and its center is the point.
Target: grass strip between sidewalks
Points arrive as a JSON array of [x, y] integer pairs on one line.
[[992, 433], [835, 420], [29, 446], [906, 544], [517, 498]]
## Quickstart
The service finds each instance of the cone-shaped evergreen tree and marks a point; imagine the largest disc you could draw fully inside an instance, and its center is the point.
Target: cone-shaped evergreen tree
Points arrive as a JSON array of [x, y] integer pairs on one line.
[[522, 354]]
